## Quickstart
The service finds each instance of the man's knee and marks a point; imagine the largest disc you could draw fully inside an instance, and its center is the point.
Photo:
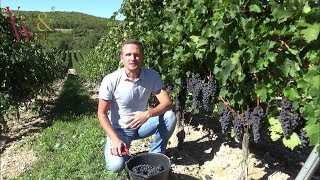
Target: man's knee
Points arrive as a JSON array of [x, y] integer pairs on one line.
[[170, 120], [170, 115], [115, 167], [114, 163]]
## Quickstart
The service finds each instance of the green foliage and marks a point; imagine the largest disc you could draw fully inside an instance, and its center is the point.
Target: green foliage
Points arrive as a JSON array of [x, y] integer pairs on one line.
[[259, 51], [292, 142], [103, 59], [76, 39]]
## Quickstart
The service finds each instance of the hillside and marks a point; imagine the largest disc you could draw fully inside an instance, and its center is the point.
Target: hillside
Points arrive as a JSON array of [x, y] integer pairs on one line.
[[65, 20], [66, 30]]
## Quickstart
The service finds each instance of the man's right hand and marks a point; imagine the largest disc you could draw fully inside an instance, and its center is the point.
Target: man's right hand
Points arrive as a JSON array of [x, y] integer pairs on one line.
[[117, 148]]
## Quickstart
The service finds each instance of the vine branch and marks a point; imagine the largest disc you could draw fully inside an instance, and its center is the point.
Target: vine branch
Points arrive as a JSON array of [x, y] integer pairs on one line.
[[228, 106]]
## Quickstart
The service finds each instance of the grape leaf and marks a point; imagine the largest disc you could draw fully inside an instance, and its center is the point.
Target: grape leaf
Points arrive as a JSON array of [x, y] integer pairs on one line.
[[255, 8], [315, 82], [311, 33], [223, 74], [281, 15], [306, 8], [275, 136], [194, 38], [235, 58], [179, 27], [219, 50], [302, 84], [177, 81], [275, 128], [291, 93], [262, 93], [292, 142], [201, 42], [313, 133]]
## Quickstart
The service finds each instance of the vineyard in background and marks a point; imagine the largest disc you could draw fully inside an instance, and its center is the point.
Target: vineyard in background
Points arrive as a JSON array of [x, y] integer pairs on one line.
[[252, 64], [32, 60], [27, 69], [72, 57]]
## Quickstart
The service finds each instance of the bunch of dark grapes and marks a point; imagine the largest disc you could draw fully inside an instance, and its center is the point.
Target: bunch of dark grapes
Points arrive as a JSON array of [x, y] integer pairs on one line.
[[241, 124], [238, 127], [224, 115], [296, 120], [209, 90], [256, 116], [192, 81], [194, 86], [304, 139], [289, 118], [205, 96], [197, 95], [145, 169], [245, 120]]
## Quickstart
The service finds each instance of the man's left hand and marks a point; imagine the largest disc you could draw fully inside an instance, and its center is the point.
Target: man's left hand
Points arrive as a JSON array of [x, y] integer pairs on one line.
[[138, 118]]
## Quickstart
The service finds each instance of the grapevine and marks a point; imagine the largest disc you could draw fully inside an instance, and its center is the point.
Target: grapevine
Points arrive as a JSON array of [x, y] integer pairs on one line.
[[27, 69], [252, 49]]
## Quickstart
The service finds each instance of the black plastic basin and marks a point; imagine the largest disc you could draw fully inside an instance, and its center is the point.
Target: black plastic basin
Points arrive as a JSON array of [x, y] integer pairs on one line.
[[152, 159]]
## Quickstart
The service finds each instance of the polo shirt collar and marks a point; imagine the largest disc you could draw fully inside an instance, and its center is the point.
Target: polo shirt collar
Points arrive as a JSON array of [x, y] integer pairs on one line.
[[140, 78]]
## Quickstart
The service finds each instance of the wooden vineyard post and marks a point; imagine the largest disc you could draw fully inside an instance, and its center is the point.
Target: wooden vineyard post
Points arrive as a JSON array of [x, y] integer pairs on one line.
[[180, 127], [245, 154]]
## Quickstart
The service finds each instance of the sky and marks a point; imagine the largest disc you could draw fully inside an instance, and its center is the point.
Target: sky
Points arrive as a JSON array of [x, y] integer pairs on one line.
[[100, 8]]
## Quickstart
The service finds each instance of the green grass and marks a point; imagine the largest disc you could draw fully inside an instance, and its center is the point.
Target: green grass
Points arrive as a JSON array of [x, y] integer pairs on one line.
[[72, 148], [74, 100]]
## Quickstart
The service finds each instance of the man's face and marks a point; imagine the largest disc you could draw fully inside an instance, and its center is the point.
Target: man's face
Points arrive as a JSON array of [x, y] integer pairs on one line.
[[131, 57]]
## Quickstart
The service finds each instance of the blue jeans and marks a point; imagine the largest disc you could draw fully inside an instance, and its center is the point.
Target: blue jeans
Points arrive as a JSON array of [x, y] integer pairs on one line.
[[161, 127]]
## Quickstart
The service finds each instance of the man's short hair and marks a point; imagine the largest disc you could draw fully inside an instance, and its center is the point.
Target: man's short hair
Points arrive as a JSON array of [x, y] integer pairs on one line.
[[133, 41]]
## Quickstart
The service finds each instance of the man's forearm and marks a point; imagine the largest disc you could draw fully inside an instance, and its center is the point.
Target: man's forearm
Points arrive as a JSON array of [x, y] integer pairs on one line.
[[106, 126], [159, 109]]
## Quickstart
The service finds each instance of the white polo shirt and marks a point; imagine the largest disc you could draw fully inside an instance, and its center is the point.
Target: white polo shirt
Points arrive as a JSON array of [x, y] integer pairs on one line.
[[128, 96]]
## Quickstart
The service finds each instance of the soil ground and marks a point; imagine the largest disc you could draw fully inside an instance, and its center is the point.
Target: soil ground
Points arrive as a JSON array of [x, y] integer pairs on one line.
[[204, 154], [207, 154]]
